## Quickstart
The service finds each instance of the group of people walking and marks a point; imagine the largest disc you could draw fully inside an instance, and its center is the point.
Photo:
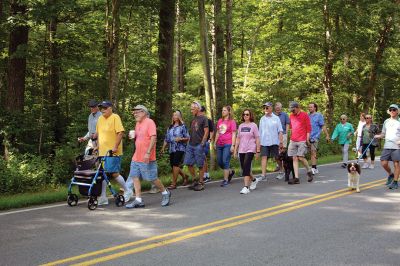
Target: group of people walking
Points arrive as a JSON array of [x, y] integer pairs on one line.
[[189, 144]]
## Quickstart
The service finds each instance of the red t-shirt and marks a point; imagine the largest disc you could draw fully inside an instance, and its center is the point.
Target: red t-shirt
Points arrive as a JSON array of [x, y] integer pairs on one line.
[[300, 125], [144, 130]]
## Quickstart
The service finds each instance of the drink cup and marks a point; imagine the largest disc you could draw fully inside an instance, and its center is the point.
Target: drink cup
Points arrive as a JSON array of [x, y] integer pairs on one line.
[[131, 134]]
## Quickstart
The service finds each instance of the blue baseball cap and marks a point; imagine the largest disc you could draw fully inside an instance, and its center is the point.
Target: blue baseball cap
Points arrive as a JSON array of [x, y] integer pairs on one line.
[[105, 104]]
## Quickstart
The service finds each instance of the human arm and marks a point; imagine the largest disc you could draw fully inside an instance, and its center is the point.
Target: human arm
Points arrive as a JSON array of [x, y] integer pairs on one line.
[[120, 135], [153, 140]]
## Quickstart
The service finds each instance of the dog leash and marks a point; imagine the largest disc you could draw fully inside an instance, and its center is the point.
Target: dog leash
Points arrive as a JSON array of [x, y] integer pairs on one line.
[[366, 149]]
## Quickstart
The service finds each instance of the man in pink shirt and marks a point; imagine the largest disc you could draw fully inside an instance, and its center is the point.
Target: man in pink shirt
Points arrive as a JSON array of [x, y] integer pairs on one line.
[[300, 126], [144, 163]]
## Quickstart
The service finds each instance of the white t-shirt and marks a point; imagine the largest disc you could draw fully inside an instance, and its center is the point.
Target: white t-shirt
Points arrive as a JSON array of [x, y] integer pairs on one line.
[[359, 128], [391, 130]]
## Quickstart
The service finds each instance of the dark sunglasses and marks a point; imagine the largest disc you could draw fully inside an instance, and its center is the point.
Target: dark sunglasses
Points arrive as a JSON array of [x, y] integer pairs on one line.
[[392, 109], [342, 118], [368, 118], [246, 114]]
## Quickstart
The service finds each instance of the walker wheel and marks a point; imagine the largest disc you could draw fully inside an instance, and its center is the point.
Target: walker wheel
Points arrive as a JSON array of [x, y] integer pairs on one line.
[[72, 200], [92, 203], [119, 200]]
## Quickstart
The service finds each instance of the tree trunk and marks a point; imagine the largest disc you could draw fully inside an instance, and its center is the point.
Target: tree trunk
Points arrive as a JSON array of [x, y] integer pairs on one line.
[[220, 94], [180, 56], [204, 56], [166, 61], [229, 53], [124, 58], [17, 60], [328, 68], [381, 44], [113, 32]]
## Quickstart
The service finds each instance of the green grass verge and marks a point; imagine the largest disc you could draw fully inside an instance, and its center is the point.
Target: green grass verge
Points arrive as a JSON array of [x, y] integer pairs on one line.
[[51, 195]]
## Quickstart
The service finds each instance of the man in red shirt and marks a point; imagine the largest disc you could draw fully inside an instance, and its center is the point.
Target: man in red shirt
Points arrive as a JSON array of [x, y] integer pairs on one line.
[[300, 126]]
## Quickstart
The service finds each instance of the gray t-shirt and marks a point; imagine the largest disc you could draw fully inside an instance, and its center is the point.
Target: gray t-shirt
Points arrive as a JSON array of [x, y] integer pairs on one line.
[[197, 126], [391, 130]]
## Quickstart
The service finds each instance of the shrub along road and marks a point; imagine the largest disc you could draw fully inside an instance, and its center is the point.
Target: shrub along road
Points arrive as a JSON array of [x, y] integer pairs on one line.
[[317, 223]]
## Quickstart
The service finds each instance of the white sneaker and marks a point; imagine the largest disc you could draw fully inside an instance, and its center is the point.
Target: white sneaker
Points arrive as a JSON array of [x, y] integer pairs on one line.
[[314, 171], [245, 190], [154, 190], [102, 201], [364, 166], [280, 176], [371, 166], [128, 195], [253, 184]]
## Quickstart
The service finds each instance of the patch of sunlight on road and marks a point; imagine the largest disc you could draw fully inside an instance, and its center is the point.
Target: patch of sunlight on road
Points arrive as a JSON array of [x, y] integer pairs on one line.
[[136, 229], [393, 227], [76, 223]]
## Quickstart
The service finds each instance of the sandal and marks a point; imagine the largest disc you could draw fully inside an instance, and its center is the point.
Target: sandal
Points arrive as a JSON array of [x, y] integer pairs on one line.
[[172, 186]]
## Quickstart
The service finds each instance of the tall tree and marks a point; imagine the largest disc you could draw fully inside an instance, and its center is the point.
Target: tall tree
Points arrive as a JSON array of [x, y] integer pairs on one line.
[[113, 34], [166, 61], [17, 56], [219, 57], [229, 53], [180, 56]]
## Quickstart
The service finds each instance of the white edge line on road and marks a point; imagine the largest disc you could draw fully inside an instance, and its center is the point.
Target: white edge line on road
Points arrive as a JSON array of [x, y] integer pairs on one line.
[[64, 204]]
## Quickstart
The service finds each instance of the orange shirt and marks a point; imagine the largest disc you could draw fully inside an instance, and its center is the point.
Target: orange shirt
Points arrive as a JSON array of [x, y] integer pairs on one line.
[[144, 130]]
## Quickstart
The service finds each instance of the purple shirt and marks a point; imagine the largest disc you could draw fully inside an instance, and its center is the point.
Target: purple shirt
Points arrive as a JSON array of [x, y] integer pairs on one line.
[[248, 133]]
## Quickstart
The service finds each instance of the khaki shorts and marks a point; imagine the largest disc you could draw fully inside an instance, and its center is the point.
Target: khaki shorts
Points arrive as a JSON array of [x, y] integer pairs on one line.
[[297, 148], [314, 146], [284, 140]]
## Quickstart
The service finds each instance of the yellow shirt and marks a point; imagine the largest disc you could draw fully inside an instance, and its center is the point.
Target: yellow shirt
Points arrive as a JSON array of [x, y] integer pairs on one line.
[[107, 130]]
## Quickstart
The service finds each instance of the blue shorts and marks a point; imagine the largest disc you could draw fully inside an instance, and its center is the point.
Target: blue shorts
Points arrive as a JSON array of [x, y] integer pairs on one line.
[[194, 155], [207, 148], [112, 164], [146, 171]]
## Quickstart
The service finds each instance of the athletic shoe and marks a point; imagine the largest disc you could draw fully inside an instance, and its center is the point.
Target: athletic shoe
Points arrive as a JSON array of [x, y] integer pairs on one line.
[[263, 177], [245, 190], [206, 179], [310, 176], [165, 199], [277, 168], [102, 201], [364, 166], [371, 166], [231, 175], [135, 204], [389, 180], [280, 176], [199, 187], [294, 181], [344, 165], [193, 185], [224, 183], [253, 184], [314, 171], [394, 185], [154, 190], [128, 195]]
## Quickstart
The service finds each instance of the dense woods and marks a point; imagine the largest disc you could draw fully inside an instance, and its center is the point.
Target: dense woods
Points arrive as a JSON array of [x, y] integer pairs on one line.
[[55, 55]]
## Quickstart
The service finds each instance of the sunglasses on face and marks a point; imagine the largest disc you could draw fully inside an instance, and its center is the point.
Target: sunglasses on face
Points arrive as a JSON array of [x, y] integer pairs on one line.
[[368, 118], [246, 114], [392, 109], [342, 118]]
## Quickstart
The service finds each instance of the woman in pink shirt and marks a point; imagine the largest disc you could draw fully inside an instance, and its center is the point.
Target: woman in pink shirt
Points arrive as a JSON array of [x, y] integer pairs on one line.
[[224, 143], [248, 145]]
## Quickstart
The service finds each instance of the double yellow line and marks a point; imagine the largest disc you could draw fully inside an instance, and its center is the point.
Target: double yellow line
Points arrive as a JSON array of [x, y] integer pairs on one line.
[[218, 225]]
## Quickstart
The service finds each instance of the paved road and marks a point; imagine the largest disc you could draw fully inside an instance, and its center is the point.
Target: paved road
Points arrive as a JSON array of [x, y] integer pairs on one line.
[[308, 224]]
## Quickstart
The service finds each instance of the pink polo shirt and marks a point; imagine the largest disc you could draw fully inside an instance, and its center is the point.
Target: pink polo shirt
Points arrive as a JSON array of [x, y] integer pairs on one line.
[[300, 125]]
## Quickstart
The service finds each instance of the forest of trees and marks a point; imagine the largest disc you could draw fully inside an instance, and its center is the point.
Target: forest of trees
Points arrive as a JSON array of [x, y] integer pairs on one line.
[[55, 55]]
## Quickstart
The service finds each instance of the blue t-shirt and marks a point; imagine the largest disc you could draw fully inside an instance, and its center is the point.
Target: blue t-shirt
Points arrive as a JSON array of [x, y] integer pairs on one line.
[[317, 122], [284, 120], [176, 132]]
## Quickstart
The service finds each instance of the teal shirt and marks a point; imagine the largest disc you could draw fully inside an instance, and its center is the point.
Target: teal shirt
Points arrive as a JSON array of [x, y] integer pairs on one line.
[[341, 131]]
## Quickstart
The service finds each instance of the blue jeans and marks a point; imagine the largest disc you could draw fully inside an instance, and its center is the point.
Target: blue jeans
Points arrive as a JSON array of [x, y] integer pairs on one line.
[[224, 156]]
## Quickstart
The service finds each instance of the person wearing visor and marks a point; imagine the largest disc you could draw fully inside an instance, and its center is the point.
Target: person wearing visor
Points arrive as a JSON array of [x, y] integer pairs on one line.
[[391, 148], [144, 164], [92, 122], [109, 132], [300, 127]]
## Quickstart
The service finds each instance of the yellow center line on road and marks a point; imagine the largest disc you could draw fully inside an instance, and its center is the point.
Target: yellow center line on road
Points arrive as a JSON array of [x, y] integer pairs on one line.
[[174, 233], [214, 229]]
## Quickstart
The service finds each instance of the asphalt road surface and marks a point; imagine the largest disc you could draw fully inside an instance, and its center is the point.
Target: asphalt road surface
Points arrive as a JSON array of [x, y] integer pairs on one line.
[[318, 223]]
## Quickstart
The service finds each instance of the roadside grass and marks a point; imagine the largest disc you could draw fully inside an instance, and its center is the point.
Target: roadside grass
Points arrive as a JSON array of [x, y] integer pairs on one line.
[[59, 194]]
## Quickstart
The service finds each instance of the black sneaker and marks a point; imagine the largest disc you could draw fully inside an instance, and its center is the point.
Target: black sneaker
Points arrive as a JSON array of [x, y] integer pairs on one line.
[[294, 181], [207, 179], [344, 165], [199, 187], [193, 185], [231, 175], [310, 176]]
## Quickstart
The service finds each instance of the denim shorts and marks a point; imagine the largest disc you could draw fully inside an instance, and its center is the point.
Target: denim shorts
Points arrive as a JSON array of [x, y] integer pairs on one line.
[[146, 171], [194, 155], [207, 148]]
